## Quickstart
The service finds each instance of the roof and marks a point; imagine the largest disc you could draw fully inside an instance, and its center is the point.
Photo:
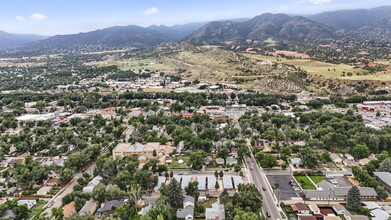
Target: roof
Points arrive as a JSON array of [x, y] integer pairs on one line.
[[183, 213], [306, 217], [69, 209], [160, 181], [384, 176], [371, 205], [300, 207], [185, 181], [380, 214], [335, 157], [216, 212], [108, 206], [211, 182], [89, 208], [188, 199], [237, 180], [313, 207], [44, 190], [296, 160], [201, 182], [332, 218], [227, 182]]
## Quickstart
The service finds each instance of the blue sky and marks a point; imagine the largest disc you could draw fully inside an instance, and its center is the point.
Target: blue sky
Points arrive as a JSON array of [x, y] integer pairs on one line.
[[50, 17]]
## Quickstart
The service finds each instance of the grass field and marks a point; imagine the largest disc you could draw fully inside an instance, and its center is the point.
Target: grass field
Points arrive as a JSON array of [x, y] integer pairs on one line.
[[327, 70], [304, 182], [317, 179], [37, 208]]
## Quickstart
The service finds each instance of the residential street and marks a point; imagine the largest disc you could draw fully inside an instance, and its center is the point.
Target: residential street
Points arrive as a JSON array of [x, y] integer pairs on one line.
[[259, 180]]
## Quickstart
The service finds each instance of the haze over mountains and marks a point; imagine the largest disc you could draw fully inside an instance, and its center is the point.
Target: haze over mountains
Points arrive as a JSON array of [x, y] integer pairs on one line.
[[366, 23]]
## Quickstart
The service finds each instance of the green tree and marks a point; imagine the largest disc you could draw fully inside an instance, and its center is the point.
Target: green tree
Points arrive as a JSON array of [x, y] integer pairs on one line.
[[196, 159], [57, 213], [223, 153], [385, 166], [353, 200], [192, 190], [286, 153], [21, 211], [360, 151], [216, 174], [268, 161], [381, 192], [99, 193], [125, 211], [175, 194], [309, 157], [159, 212]]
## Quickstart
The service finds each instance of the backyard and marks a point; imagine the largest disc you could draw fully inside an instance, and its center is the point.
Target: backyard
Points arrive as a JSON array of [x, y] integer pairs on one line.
[[317, 179]]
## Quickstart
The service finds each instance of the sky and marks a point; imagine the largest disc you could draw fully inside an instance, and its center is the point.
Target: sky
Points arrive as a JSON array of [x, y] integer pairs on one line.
[[53, 17]]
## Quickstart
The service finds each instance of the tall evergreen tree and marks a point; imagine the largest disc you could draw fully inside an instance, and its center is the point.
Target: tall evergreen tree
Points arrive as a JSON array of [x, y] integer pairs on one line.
[[353, 200], [385, 166], [175, 194]]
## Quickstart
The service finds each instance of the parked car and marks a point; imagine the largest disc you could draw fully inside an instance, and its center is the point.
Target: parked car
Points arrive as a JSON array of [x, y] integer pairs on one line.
[[268, 214], [263, 188]]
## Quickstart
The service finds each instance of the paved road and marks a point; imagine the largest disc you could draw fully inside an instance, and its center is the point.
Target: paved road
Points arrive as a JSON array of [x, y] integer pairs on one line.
[[57, 200], [259, 180]]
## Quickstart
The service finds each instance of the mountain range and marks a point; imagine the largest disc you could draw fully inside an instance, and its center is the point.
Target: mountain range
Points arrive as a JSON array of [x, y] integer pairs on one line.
[[8, 41], [366, 23]]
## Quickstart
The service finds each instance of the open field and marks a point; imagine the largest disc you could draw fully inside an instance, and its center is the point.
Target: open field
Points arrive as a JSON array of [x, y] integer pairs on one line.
[[304, 182], [328, 70]]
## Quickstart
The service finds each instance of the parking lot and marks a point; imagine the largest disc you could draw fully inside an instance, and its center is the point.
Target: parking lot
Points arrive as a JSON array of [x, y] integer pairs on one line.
[[285, 190], [342, 181]]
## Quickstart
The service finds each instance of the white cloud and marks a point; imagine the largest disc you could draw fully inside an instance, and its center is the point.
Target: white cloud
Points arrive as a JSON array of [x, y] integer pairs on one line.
[[319, 2], [38, 17], [151, 11], [284, 7], [19, 18]]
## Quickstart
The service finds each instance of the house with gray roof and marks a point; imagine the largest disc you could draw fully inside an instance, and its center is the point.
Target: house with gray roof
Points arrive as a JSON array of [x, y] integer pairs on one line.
[[227, 183], [89, 208], [211, 183], [338, 193], [201, 183], [216, 212], [296, 162], [384, 179], [187, 212], [237, 180]]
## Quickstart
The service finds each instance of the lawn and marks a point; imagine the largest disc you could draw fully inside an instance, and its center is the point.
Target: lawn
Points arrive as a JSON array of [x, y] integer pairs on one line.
[[37, 208], [317, 179], [304, 182]]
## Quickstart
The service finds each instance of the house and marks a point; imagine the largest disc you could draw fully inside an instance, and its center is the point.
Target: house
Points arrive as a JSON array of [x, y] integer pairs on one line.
[[28, 202], [211, 183], [227, 183], [349, 163], [371, 205], [372, 157], [332, 218], [216, 212], [43, 191], [296, 161], [11, 191], [220, 161], [379, 214], [92, 184], [138, 149], [109, 207], [364, 161], [89, 208], [314, 209], [300, 208], [335, 158], [185, 181], [187, 212], [306, 217], [69, 209], [338, 193], [231, 161], [52, 182], [160, 181], [208, 160], [237, 181], [201, 183], [384, 179], [349, 157]]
